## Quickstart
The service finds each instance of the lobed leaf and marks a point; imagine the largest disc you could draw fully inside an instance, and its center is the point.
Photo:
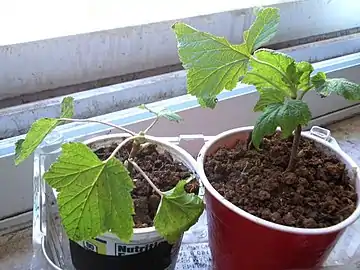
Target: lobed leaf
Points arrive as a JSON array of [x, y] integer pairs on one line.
[[287, 116], [178, 211], [94, 196], [339, 86], [263, 74], [211, 62], [263, 28]]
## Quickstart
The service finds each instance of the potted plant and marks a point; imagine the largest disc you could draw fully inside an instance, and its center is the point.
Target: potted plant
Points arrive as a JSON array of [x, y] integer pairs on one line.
[[276, 198], [125, 199]]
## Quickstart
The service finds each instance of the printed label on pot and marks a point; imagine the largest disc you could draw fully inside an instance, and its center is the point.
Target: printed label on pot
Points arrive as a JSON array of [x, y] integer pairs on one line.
[[96, 245], [154, 253], [130, 249]]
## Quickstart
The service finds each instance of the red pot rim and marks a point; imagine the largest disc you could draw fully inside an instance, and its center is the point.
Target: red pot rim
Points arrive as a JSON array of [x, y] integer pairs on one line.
[[209, 188]]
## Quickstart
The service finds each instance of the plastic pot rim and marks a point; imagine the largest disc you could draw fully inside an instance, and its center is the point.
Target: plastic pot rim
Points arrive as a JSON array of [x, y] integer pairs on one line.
[[303, 231], [176, 151]]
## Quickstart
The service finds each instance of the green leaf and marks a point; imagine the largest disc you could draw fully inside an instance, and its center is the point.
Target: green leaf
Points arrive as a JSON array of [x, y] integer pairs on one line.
[[18, 146], [94, 196], [162, 112], [319, 79], [208, 102], [67, 107], [263, 28], [178, 211], [263, 73], [304, 69], [37, 133], [39, 130], [171, 116], [341, 87], [212, 63], [287, 116], [269, 96]]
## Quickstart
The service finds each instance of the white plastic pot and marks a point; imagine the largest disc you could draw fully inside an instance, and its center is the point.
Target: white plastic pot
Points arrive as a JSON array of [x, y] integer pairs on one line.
[[147, 247]]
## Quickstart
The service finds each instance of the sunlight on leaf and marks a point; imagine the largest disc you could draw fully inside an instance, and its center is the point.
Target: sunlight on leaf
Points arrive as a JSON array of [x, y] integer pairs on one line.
[[287, 116], [212, 63], [269, 96], [39, 130], [67, 107], [37, 133], [178, 212], [263, 29], [94, 196], [264, 76]]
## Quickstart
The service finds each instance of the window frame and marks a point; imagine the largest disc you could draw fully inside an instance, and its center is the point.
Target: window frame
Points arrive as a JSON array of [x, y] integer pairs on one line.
[[65, 55], [234, 109]]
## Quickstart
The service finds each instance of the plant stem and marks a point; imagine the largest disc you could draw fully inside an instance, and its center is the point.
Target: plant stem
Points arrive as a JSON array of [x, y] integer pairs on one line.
[[122, 144], [99, 122], [294, 149], [151, 125], [158, 191], [305, 91]]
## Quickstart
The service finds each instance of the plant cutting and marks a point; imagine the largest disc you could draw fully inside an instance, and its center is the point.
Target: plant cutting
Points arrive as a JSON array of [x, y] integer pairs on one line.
[[125, 200], [277, 198]]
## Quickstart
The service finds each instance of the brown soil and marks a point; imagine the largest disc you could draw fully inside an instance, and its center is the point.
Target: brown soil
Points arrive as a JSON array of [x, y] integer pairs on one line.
[[161, 169], [316, 195]]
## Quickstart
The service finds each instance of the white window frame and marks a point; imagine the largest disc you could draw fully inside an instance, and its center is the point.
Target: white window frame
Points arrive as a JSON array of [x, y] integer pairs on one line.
[[233, 110], [119, 37]]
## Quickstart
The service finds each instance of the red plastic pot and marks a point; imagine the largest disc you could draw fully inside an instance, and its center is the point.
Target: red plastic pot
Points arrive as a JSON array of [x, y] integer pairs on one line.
[[239, 240]]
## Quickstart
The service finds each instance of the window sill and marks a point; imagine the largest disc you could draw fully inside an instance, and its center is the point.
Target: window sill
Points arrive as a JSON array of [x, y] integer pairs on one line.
[[82, 41]]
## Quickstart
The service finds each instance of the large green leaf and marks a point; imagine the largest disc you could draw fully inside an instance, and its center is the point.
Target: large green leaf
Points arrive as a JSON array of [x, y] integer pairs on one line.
[[212, 63], [178, 212], [287, 116], [94, 196], [263, 28], [340, 86], [269, 96], [39, 130], [269, 69]]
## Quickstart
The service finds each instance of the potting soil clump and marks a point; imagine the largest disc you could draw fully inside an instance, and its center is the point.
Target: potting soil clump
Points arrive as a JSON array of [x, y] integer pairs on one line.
[[317, 194], [161, 168]]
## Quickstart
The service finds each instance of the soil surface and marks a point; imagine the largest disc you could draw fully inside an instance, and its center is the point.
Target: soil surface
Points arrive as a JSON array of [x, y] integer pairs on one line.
[[164, 172], [317, 194]]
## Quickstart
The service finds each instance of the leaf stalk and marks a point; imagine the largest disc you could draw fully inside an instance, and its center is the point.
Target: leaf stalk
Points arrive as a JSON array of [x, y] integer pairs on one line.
[[158, 191], [99, 122]]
